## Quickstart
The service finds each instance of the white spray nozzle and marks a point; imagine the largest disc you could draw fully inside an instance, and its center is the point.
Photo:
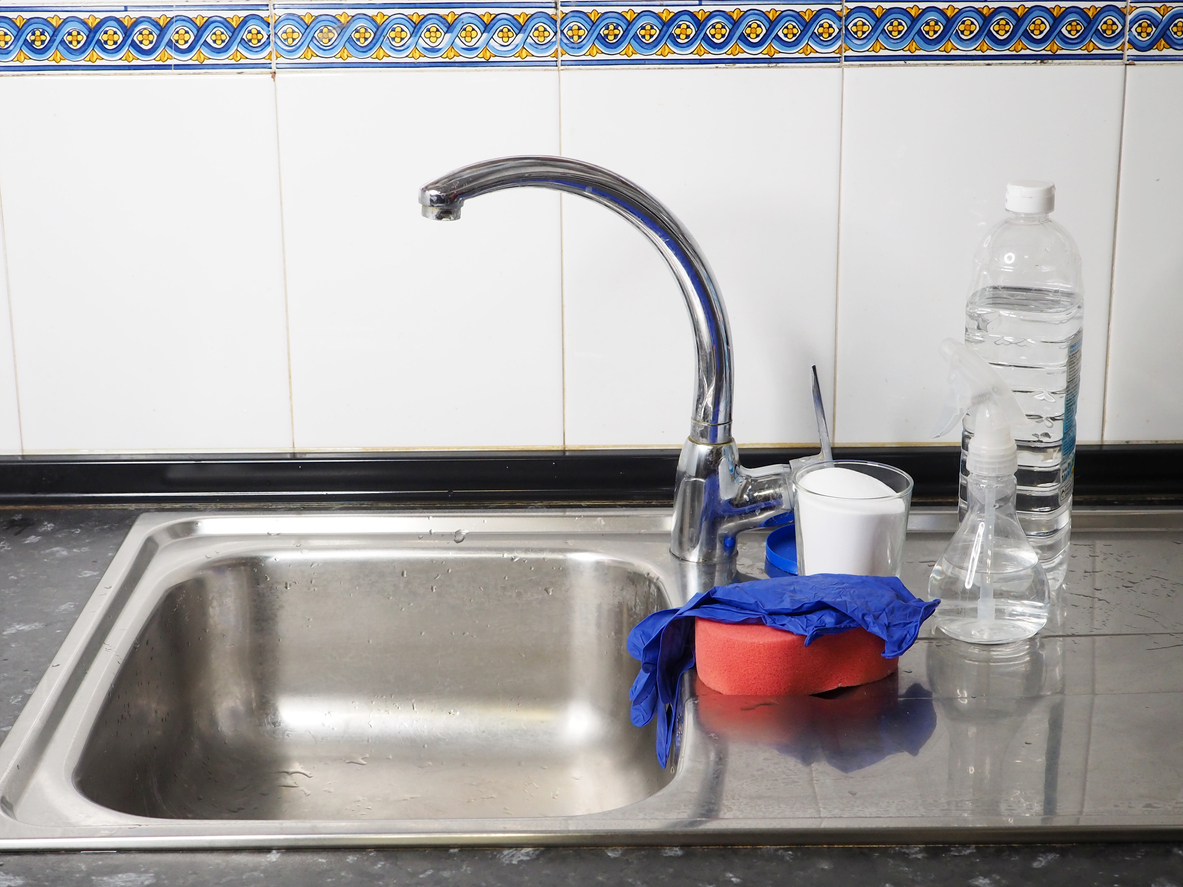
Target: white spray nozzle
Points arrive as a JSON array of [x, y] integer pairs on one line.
[[977, 391]]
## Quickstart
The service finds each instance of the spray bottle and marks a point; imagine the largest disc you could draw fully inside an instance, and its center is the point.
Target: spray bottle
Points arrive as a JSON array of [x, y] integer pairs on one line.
[[989, 580]]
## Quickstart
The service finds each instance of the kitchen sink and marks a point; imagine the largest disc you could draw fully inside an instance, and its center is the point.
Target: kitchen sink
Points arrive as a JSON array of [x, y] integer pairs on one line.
[[391, 678], [332, 678], [353, 668]]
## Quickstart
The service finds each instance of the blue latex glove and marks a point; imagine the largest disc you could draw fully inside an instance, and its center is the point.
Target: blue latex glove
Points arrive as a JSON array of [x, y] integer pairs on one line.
[[827, 603]]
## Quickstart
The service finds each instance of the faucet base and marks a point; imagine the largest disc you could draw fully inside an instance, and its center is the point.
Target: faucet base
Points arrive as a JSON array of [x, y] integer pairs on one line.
[[715, 498]]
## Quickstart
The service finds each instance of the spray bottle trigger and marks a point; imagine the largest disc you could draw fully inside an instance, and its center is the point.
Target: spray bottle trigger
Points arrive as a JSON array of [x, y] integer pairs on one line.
[[972, 383], [951, 413]]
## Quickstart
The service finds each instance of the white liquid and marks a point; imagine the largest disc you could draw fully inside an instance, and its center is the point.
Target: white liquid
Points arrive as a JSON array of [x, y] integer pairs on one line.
[[848, 522]]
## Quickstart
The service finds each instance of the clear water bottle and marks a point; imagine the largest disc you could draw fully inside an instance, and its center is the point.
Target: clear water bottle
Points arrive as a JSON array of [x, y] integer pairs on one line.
[[1025, 317]]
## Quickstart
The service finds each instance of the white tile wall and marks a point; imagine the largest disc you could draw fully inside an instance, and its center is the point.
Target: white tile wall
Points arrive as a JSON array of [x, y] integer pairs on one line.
[[144, 262], [747, 158], [405, 332], [927, 153], [146, 276], [1143, 401], [10, 429]]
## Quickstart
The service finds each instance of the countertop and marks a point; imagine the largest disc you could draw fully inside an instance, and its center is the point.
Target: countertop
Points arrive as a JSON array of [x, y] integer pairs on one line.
[[50, 561]]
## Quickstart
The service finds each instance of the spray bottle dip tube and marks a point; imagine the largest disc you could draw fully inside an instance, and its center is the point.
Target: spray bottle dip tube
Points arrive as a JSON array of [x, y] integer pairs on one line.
[[989, 580]]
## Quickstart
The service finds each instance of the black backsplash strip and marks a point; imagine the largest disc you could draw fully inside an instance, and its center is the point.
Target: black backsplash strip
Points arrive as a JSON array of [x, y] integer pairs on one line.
[[437, 478], [1150, 475]]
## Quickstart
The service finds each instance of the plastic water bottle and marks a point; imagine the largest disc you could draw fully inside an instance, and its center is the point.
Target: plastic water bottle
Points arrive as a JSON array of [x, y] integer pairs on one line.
[[1025, 317]]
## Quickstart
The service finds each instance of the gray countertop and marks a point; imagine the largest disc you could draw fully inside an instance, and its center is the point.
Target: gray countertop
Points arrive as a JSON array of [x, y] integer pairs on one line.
[[50, 561]]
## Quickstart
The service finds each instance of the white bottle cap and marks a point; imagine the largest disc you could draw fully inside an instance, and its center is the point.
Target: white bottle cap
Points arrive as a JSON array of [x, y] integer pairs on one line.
[[992, 452], [1030, 196]]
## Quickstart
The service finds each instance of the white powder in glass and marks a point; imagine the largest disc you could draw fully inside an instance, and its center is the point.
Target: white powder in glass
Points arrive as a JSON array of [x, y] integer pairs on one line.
[[849, 522]]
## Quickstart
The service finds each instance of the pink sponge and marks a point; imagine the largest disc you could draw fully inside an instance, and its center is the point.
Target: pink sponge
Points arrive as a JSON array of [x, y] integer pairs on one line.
[[755, 660]]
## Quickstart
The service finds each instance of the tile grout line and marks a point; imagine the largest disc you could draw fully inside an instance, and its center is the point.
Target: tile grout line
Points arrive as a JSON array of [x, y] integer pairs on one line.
[[562, 234], [283, 255], [20, 428], [1125, 85], [838, 232], [1125, 60]]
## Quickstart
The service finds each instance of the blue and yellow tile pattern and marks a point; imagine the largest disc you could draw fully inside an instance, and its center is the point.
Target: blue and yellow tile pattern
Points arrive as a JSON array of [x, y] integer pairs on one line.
[[266, 36], [1156, 32], [696, 34], [426, 35], [976, 32], [146, 39]]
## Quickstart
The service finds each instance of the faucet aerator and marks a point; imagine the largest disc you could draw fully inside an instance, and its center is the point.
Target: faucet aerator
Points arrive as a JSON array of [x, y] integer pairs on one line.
[[441, 213]]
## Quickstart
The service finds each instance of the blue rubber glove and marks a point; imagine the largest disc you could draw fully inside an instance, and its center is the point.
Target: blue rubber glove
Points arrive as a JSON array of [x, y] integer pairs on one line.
[[808, 605]]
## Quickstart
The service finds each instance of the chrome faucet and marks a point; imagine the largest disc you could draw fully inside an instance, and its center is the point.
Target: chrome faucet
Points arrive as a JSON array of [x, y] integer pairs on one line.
[[714, 496]]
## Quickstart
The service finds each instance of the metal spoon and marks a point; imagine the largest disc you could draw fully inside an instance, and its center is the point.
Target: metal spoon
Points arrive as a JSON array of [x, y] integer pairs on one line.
[[823, 431]]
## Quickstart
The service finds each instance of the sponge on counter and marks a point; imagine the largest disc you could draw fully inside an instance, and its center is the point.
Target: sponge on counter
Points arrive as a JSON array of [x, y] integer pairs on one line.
[[756, 660], [812, 607]]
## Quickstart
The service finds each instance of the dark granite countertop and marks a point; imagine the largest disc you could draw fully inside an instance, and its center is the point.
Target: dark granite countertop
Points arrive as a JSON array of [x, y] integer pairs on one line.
[[50, 561]]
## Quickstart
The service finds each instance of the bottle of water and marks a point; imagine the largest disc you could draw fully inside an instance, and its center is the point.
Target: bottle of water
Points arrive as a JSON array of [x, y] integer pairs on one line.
[[1024, 316]]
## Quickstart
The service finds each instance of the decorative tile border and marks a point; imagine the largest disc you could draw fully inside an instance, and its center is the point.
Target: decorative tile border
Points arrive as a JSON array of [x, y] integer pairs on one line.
[[426, 34], [978, 32], [146, 39], [1156, 31], [262, 36], [697, 34]]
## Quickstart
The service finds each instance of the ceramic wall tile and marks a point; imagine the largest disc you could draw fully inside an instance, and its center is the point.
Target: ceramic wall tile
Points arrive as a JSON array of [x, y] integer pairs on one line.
[[618, 33], [416, 35], [192, 36], [145, 273], [927, 153], [757, 186], [1145, 361], [1156, 31], [10, 429], [976, 32], [408, 333]]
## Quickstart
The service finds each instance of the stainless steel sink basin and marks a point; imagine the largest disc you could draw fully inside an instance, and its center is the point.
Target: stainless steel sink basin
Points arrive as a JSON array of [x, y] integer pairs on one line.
[[348, 679], [351, 669], [391, 678]]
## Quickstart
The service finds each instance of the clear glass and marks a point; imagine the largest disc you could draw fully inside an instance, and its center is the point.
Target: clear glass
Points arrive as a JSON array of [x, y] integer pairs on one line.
[[1025, 317], [991, 585], [851, 517]]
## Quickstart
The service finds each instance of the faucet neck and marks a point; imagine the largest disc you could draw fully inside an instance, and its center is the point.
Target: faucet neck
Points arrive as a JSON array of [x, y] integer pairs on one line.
[[710, 422]]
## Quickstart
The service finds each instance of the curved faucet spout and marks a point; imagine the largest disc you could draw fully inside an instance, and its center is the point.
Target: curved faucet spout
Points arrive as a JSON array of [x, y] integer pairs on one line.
[[711, 419], [714, 496]]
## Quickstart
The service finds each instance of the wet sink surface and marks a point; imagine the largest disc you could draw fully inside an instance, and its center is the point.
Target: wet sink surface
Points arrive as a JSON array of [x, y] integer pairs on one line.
[[327, 678], [380, 682]]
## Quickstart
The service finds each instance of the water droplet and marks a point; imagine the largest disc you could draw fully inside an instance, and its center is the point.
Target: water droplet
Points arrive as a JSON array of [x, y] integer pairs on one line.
[[458, 536]]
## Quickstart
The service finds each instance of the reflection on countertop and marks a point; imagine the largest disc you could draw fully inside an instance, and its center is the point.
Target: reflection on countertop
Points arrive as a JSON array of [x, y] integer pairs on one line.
[[1082, 724]]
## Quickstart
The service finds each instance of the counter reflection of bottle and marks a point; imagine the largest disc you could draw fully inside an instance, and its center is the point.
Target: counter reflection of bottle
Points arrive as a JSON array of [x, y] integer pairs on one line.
[[999, 705]]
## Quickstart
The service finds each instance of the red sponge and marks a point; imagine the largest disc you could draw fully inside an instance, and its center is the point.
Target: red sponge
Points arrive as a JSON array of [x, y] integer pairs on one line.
[[755, 660]]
